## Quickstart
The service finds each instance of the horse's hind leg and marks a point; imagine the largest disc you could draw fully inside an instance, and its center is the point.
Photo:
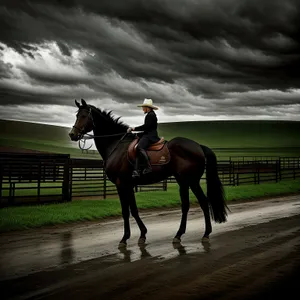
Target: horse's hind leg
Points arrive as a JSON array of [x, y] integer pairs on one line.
[[185, 206], [198, 192]]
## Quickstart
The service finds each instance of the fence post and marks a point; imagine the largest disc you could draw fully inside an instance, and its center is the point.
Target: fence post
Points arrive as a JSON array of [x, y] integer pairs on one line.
[[165, 185], [71, 179], [233, 171], [66, 182], [11, 199], [280, 164], [1, 180], [258, 173], [104, 184], [276, 171], [294, 168], [230, 173], [39, 180]]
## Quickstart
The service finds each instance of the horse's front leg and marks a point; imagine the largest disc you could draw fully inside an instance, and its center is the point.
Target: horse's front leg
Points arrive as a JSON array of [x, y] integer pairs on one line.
[[127, 198], [124, 199], [135, 214]]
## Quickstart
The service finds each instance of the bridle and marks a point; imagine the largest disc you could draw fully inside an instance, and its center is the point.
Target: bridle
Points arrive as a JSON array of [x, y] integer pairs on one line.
[[81, 130]]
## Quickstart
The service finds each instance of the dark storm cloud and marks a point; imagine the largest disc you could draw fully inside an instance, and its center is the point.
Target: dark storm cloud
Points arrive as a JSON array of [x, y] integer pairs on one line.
[[173, 51], [272, 98], [55, 77], [64, 48]]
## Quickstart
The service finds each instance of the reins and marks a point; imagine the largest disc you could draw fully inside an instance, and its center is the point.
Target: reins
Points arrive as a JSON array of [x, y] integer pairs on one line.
[[88, 136], [101, 136], [120, 140]]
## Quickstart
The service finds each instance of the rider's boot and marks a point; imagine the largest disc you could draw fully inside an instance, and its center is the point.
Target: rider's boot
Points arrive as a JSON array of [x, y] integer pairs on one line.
[[136, 172], [148, 168]]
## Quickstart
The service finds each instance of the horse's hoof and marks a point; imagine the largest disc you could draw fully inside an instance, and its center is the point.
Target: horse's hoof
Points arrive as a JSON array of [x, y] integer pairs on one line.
[[176, 240], [205, 239], [122, 245], [141, 241]]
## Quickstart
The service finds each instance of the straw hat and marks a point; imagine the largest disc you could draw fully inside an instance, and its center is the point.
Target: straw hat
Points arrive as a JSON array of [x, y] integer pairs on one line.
[[148, 103]]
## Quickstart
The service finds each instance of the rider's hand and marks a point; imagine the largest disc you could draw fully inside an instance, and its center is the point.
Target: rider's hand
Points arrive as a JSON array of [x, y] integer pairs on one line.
[[129, 129]]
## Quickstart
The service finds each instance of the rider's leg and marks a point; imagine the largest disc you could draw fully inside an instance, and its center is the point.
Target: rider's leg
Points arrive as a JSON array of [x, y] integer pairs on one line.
[[142, 147], [136, 171], [148, 168], [141, 154]]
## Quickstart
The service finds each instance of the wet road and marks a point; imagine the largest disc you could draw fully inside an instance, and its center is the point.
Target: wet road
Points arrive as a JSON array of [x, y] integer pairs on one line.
[[50, 263]]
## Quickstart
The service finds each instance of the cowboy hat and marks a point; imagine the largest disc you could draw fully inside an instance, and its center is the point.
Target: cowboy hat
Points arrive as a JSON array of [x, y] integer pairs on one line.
[[148, 103]]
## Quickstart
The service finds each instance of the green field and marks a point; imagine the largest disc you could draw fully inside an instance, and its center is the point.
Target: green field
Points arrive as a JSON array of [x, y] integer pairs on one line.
[[227, 138], [19, 218], [232, 138], [237, 134]]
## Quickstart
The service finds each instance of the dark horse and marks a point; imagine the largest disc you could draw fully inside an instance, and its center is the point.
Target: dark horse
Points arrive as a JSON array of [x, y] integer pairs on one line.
[[187, 163]]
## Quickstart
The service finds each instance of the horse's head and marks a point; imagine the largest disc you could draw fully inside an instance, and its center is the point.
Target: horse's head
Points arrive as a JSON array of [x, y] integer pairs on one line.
[[84, 121]]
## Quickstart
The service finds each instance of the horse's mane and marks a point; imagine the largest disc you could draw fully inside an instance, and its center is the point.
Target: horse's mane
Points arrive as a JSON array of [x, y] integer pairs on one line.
[[115, 122]]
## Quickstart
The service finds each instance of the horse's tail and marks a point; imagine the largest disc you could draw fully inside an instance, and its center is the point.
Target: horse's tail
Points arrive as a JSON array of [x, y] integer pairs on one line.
[[215, 191]]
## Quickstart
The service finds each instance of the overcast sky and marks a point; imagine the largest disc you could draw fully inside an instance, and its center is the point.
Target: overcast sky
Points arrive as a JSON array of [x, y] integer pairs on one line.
[[197, 59]]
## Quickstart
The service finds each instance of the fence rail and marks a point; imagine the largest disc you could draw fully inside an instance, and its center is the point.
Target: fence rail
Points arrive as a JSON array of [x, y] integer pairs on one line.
[[40, 178], [89, 179]]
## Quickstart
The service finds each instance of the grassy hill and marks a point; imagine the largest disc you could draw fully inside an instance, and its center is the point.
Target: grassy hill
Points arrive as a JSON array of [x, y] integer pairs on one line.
[[35, 136], [236, 134], [240, 137], [225, 137]]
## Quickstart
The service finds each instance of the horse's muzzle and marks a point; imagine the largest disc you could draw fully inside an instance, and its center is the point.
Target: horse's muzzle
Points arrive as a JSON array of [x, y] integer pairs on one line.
[[74, 137]]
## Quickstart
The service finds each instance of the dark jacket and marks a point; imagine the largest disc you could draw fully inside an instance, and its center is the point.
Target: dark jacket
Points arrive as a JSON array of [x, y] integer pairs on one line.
[[149, 127]]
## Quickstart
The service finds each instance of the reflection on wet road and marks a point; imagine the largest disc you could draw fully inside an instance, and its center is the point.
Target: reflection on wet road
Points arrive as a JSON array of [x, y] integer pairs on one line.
[[43, 249]]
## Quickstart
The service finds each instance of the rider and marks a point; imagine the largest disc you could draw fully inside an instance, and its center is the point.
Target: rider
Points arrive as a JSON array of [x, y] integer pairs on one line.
[[148, 137]]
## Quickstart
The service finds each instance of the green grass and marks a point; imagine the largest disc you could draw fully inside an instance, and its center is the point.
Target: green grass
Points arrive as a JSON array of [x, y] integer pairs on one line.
[[20, 218]]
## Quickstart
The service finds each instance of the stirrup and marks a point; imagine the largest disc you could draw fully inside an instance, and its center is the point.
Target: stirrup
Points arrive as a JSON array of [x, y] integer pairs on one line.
[[147, 170], [135, 174]]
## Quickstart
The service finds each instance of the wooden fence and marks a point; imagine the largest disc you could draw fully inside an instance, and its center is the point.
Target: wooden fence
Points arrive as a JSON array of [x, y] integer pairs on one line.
[[89, 179], [42, 178], [32, 177], [243, 170]]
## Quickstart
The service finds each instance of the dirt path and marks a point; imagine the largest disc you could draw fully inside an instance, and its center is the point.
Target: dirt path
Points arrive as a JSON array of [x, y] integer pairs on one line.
[[255, 254]]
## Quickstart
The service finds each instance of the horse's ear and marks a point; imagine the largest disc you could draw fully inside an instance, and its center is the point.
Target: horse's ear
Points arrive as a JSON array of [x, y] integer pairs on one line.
[[77, 103], [83, 102]]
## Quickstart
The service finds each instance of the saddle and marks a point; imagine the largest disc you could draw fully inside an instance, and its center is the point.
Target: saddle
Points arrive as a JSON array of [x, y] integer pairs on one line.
[[158, 152]]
